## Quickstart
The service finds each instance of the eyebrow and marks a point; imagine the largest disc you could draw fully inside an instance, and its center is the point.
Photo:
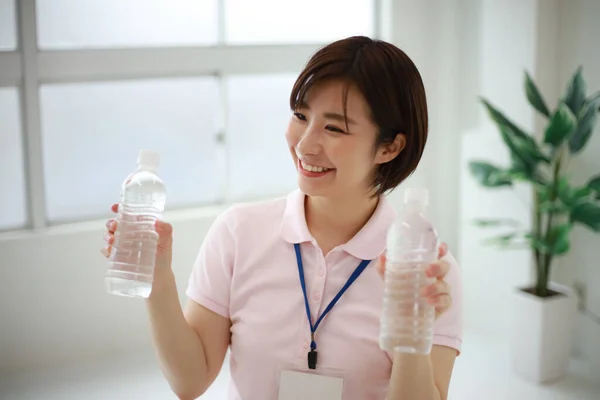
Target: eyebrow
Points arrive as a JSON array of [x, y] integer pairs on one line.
[[331, 115]]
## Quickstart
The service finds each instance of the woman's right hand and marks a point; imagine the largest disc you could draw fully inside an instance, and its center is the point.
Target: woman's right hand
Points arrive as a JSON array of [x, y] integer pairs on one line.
[[164, 251]]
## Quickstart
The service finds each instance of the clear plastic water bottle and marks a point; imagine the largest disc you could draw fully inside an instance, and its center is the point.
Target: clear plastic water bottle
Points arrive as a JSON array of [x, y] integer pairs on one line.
[[407, 318], [132, 259]]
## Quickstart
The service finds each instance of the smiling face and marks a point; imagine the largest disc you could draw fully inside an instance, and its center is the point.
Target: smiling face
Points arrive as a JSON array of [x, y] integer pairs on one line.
[[333, 158]]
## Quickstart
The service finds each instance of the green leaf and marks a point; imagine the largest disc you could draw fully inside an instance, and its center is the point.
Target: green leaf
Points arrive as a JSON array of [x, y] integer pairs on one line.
[[562, 123], [489, 175], [523, 148], [580, 194], [575, 94], [501, 120], [595, 98], [564, 189], [501, 239], [560, 238], [534, 96], [524, 151], [496, 222], [585, 125], [588, 214], [594, 185]]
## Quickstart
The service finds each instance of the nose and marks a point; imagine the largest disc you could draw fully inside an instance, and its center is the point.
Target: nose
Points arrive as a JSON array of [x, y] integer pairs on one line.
[[309, 144]]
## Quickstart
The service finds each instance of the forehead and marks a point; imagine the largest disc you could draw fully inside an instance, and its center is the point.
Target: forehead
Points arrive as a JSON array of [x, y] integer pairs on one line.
[[332, 94]]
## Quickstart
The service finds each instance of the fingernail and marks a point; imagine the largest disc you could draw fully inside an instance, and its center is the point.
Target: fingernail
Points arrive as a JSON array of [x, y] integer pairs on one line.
[[109, 223]]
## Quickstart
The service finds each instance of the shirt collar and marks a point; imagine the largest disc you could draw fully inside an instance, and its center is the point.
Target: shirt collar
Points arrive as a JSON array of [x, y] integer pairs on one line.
[[368, 244]]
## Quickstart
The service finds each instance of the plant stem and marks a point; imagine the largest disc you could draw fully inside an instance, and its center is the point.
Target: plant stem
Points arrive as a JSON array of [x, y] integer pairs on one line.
[[544, 271], [537, 227]]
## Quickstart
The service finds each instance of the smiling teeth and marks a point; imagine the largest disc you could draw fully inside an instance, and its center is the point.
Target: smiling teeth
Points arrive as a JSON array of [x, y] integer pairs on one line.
[[313, 168]]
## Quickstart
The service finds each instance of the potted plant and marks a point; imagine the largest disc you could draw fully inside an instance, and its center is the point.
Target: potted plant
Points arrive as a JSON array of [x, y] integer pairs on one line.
[[544, 312]]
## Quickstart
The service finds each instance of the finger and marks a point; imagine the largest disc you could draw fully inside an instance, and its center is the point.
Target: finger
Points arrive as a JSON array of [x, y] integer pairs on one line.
[[438, 269], [106, 251], [442, 250], [436, 289], [114, 208], [109, 238], [380, 266], [165, 234], [441, 302], [111, 225]]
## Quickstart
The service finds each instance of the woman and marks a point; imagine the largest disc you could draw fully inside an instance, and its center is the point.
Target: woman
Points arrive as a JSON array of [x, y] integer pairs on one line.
[[358, 129]]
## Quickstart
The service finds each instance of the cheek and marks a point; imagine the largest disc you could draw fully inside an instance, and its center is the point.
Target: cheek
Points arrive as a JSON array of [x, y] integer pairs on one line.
[[292, 134], [356, 157]]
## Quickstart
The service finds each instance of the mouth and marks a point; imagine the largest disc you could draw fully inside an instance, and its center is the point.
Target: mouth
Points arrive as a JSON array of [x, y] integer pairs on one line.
[[312, 171]]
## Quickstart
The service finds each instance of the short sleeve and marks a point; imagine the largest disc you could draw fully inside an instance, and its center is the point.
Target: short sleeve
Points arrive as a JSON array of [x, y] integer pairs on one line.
[[210, 281], [448, 328]]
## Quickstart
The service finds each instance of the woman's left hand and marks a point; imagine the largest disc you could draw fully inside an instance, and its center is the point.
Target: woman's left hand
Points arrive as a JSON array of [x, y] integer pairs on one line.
[[437, 293]]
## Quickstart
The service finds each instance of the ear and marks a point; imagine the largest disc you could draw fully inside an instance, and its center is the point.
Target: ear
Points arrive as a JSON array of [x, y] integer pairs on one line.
[[387, 152]]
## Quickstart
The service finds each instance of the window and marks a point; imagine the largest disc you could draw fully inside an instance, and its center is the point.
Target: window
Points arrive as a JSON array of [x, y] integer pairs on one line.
[[308, 21], [12, 182], [68, 24], [206, 83], [258, 110], [91, 134], [8, 27]]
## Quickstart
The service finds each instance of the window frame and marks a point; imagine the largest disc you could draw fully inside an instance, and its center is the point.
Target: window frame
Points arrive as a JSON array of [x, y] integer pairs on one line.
[[28, 67]]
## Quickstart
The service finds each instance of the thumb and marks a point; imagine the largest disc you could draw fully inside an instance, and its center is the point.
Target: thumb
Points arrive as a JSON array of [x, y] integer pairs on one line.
[[165, 236]]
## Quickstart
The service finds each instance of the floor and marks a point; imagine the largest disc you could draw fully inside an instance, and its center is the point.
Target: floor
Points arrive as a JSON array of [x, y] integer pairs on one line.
[[482, 372]]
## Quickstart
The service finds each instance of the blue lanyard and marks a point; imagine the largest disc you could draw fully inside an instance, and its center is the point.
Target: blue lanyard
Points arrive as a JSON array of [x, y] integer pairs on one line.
[[312, 355]]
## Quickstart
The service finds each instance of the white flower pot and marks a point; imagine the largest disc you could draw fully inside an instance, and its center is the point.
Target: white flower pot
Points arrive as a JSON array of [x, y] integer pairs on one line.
[[541, 334]]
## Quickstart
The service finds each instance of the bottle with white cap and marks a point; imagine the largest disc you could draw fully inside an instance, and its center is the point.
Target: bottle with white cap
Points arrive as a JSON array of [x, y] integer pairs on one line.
[[132, 259], [407, 318]]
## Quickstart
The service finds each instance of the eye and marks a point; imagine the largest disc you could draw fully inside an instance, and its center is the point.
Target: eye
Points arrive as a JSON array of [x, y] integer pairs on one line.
[[334, 129], [299, 116]]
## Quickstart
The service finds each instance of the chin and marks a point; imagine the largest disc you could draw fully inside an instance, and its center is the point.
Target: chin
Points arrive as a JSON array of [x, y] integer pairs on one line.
[[310, 189]]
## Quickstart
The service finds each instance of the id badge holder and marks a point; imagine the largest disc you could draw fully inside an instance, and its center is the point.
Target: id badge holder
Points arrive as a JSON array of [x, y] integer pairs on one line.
[[322, 384]]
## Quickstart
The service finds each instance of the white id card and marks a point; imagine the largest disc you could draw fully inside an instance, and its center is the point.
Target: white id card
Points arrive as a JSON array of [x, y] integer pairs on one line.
[[301, 386]]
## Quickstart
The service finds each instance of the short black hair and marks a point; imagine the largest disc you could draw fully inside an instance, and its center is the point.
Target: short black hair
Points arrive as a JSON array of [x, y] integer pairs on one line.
[[392, 87]]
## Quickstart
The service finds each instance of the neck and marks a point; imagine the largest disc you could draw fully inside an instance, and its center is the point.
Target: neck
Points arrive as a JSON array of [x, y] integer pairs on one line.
[[333, 222]]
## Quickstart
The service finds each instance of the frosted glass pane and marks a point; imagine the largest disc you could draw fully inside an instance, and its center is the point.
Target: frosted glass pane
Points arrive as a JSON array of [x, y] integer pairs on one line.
[[92, 133], [13, 212], [8, 31], [309, 21], [68, 24], [260, 163]]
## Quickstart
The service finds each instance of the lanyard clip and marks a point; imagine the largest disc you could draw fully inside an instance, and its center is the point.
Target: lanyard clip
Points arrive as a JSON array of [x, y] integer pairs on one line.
[[312, 359]]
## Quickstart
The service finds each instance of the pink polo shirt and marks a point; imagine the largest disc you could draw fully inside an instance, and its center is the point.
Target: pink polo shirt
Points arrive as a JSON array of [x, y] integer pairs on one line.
[[246, 271]]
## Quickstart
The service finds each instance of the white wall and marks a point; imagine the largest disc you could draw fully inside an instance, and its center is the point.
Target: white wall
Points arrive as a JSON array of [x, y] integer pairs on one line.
[[429, 31], [54, 307], [579, 45]]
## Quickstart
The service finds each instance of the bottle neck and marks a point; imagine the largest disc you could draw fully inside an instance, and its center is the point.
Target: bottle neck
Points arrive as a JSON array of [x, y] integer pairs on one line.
[[145, 167], [415, 206]]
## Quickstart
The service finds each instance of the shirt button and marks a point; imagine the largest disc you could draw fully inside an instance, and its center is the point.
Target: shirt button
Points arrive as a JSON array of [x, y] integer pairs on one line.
[[305, 345], [317, 296], [322, 272]]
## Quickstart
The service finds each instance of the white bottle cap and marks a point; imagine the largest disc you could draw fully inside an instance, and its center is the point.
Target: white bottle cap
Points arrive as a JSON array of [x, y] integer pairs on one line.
[[416, 195], [149, 159]]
